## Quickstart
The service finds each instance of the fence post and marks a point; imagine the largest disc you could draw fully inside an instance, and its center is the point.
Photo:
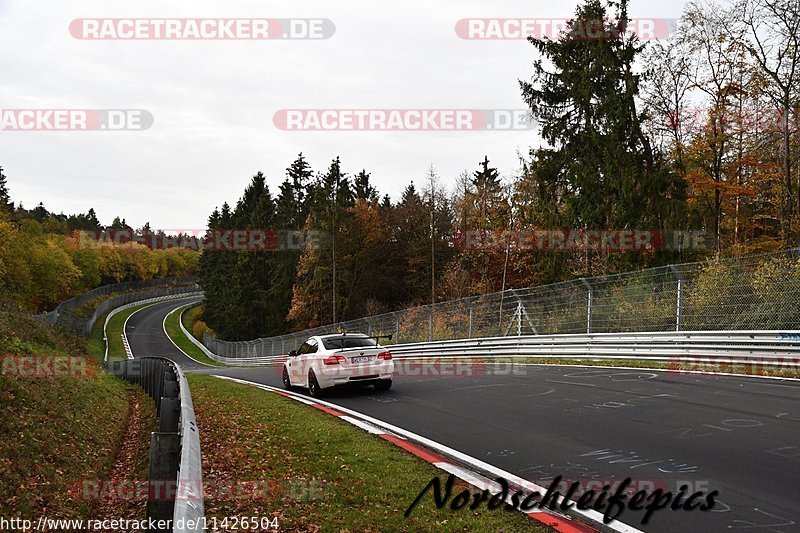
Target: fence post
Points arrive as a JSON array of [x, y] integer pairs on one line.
[[471, 318], [589, 298], [430, 324], [679, 300], [397, 329]]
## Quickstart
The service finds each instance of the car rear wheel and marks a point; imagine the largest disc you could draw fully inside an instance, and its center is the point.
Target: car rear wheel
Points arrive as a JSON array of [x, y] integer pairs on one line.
[[384, 384], [287, 383], [313, 385]]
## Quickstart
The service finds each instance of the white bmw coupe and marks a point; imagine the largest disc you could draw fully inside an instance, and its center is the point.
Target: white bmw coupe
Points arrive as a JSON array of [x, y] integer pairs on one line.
[[325, 361]]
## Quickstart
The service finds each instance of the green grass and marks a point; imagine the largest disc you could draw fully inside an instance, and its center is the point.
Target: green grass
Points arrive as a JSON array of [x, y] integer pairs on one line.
[[172, 325], [190, 316], [116, 350], [322, 473]]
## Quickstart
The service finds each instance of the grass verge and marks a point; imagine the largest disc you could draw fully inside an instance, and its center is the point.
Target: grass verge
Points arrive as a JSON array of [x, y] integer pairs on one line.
[[172, 325], [318, 473], [116, 350], [62, 422], [190, 316]]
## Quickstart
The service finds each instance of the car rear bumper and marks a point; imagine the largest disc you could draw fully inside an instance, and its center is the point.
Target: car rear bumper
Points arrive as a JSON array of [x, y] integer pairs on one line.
[[332, 377]]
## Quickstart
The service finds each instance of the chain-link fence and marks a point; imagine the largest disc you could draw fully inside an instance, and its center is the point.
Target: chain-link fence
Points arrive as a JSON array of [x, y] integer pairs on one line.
[[748, 292], [79, 314]]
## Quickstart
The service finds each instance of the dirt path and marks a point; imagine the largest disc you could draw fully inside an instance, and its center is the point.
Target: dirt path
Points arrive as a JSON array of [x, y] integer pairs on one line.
[[121, 500]]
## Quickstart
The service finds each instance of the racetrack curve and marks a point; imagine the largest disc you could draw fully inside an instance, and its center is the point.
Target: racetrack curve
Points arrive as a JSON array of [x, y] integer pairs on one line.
[[740, 436]]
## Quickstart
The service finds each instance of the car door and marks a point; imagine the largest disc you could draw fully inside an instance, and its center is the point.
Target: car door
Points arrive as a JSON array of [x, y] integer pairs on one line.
[[305, 357], [297, 365]]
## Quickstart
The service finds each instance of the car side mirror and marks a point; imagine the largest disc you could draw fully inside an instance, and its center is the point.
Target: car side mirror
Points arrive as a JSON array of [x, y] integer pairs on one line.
[[293, 353]]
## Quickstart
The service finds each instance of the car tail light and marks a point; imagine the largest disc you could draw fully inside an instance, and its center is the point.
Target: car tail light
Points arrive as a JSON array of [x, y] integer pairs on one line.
[[386, 356], [334, 360]]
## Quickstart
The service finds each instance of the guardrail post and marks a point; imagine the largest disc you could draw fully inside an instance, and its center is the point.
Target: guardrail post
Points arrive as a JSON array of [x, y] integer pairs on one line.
[[170, 415], [164, 461]]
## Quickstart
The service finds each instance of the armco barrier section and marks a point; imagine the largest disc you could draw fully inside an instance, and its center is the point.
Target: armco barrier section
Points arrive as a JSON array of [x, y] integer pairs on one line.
[[722, 347], [65, 313], [175, 488]]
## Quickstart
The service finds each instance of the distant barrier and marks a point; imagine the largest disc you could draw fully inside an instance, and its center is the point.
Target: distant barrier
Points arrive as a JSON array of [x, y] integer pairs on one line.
[[65, 314]]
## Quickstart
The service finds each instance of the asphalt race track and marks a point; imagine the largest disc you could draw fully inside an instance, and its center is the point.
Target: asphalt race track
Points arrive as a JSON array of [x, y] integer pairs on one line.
[[145, 332], [739, 436]]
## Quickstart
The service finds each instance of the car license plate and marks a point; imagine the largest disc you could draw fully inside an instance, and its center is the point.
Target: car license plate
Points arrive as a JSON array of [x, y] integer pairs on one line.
[[360, 359]]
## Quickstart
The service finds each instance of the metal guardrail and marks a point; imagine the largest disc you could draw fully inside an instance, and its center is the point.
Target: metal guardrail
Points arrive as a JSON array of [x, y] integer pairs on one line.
[[65, 313], [740, 293], [175, 494], [729, 347]]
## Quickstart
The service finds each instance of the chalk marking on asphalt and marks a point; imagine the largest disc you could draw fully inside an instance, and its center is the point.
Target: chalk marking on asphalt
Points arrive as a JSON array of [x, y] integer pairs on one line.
[[558, 522], [570, 383], [478, 387], [669, 370], [537, 394]]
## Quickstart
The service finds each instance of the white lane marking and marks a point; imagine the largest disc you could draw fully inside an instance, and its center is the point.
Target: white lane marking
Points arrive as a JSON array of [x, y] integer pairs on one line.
[[592, 515], [164, 327], [481, 482], [125, 327], [292, 395], [299, 399], [363, 425]]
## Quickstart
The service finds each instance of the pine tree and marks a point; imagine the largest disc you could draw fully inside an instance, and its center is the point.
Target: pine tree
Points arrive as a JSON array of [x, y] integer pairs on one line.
[[5, 198], [291, 211], [362, 187], [299, 175], [600, 167]]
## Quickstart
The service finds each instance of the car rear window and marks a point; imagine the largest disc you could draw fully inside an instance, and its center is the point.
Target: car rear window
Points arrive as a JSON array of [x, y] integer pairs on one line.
[[339, 343]]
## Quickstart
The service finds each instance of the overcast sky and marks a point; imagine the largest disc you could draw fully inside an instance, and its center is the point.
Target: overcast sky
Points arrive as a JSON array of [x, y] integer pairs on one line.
[[213, 101]]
